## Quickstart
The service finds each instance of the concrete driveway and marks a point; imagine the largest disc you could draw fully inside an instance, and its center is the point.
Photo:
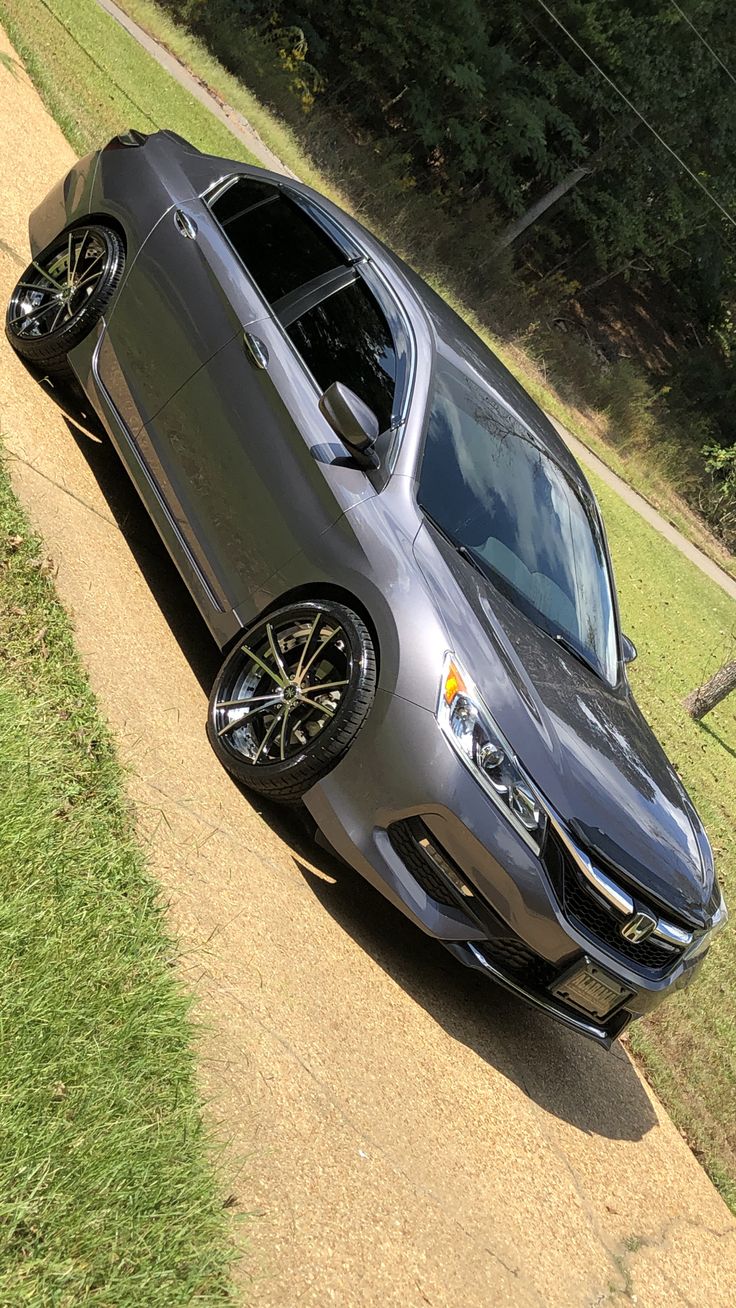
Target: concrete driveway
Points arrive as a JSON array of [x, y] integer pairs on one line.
[[403, 1133]]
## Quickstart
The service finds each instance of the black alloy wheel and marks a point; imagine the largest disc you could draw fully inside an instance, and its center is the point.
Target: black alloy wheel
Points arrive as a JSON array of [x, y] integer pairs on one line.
[[291, 697], [63, 294]]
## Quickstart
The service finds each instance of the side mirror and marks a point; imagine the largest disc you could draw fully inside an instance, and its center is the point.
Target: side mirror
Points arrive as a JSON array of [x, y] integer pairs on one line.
[[628, 648], [354, 422]]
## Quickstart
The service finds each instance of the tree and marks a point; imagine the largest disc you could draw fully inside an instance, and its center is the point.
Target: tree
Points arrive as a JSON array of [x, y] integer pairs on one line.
[[701, 701], [535, 211]]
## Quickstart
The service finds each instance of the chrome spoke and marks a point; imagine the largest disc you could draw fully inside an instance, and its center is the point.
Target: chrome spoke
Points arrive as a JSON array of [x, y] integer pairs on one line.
[[78, 255], [305, 647], [282, 737], [89, 275], [245, 717], [50, 310], [37, 308], [276, 654], [324, 685], [87, 281], [267, 736], [59, 314], [252, 699], [48, 277], [313, 703], [259, 662]]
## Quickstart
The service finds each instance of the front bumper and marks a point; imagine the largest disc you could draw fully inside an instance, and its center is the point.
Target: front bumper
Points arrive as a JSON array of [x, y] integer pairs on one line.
[[401, 776]]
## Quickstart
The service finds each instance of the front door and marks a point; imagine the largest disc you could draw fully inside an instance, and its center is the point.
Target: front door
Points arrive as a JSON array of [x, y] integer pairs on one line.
[[251, 468]]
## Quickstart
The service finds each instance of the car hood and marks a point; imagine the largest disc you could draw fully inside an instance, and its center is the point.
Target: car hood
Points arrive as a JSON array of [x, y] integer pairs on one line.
[[585, 744]]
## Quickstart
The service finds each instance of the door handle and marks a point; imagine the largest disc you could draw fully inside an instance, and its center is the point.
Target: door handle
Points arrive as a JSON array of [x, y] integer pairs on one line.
[[185, 225], [256, 349]]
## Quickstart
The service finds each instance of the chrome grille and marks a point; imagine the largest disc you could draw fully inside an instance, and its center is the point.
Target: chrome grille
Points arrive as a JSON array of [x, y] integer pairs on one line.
[[595, 918]]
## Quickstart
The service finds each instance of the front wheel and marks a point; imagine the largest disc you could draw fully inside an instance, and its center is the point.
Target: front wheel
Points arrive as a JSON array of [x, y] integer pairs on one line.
[[63, 294], [291, 697]]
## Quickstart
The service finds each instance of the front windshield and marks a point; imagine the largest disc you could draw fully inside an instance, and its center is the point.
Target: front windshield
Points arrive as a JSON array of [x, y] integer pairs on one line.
[[489, 486]]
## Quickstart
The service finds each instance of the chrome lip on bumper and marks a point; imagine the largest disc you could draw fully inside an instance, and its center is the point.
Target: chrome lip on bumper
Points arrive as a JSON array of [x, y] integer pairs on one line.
[[468, 954]]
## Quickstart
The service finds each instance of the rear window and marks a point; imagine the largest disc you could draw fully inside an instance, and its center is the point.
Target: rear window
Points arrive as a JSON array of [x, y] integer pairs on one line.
[[347, 339], [281, 247]]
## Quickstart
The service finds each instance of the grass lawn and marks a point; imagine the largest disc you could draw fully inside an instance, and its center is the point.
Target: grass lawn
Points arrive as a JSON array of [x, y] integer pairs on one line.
[[683, 624], [96, 80], [108, 1193]]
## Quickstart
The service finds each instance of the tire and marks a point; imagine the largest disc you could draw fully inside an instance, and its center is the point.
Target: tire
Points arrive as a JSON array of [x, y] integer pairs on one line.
[[62, 295], [291, 734]]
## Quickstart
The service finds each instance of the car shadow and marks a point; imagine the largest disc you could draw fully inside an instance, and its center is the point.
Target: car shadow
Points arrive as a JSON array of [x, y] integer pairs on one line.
[[598, 1092], [124, 503], [565, 1074], [161, 576]]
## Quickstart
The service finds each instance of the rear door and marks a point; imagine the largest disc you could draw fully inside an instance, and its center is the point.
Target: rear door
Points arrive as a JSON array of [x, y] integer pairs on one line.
[[252, 467], [183, 299]]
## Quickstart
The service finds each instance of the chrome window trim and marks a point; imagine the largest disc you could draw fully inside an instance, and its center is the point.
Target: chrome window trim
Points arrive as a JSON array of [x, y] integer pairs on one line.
[[392, 306], [306, 297]]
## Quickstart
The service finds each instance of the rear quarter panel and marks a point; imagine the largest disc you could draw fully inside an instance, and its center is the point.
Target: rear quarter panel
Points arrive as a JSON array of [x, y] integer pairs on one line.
[[66, 202], [134, 185]]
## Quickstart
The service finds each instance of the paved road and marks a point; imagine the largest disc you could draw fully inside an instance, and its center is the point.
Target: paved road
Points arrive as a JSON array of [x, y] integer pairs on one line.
[[241, 128], [405, 1134]]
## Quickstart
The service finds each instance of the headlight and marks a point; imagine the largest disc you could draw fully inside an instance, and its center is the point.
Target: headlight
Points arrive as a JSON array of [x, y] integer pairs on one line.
[[471, 731]]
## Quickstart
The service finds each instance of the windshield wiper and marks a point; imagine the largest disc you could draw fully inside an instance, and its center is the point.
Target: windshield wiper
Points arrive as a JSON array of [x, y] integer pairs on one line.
[[464, 551], [471, 557], [576, 653], [489, 573]]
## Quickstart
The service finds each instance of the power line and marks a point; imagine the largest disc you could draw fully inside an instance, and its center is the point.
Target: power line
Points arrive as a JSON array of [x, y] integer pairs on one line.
[[640, 115], [700, 37]]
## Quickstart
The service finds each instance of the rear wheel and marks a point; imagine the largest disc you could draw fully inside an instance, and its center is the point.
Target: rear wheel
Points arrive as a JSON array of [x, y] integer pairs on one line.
[[292, 696], [63, 294]]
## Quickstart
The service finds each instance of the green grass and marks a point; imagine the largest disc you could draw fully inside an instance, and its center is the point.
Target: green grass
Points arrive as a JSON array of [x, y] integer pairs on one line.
[[683, 624], [95, 79], [108, 1190]]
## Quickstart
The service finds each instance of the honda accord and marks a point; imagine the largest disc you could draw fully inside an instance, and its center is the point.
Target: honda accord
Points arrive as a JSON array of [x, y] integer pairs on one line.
[[403, 565]]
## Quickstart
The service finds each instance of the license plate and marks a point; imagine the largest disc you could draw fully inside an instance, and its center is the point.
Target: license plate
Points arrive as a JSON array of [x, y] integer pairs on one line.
[[587, 987]]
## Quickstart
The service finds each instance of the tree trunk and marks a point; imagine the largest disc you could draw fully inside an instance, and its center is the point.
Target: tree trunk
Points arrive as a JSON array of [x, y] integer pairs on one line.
[[701, 701], [539, 207], [608, 277]]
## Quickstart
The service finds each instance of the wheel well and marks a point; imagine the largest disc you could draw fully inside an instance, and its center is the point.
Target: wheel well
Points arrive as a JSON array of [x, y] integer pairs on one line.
[[325, 590], [106, 220]]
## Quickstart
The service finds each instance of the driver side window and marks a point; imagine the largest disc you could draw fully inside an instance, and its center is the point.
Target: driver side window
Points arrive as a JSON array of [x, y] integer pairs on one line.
[[346, 338]]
